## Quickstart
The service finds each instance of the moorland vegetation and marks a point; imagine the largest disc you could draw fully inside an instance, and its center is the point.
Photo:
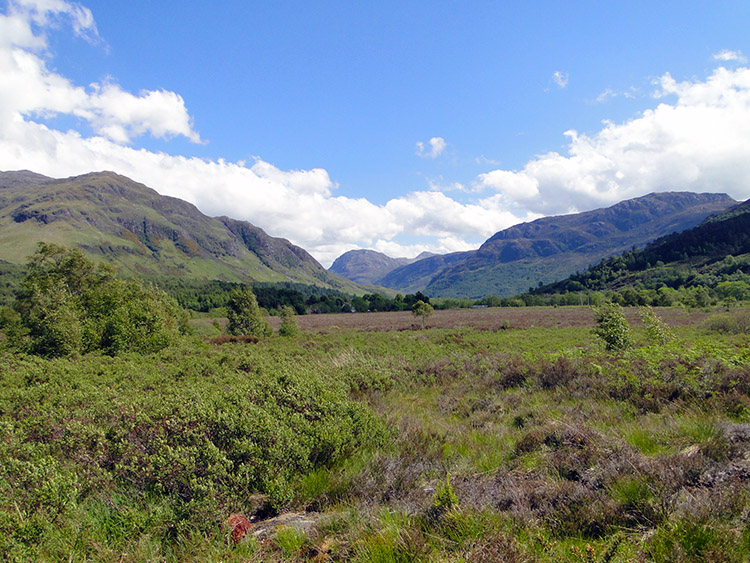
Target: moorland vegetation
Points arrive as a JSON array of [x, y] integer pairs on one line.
[[628, 440]]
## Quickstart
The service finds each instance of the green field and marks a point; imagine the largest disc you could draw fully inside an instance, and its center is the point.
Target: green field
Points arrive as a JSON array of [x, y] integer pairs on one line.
[[522, 440]]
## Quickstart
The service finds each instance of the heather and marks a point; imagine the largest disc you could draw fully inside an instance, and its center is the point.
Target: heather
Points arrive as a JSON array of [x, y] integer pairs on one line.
[[512, 438]]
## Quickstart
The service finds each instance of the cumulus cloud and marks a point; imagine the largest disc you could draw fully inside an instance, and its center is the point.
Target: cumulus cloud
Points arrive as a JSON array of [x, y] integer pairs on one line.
[[436, 215], [726, 55], [296, 204], [517, 186], [437, 146], [31, 90], [560, 79], [696, 139]]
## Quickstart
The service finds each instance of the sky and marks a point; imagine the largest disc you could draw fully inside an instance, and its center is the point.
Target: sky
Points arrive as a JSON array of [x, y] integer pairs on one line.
[[399, 126]]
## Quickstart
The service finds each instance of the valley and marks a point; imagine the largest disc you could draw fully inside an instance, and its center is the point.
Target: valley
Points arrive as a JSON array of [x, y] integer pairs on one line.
[[492, 429]]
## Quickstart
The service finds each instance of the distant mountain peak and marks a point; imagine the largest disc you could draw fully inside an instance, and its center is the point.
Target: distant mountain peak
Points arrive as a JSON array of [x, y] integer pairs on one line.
[[370, 266], [365, 265]]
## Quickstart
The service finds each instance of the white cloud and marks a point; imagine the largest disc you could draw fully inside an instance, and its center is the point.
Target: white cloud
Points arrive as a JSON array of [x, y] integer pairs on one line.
[[434, 214], [609, 94], [700, 142], [516, 186], [560, 78], [31, 90], [120, 115], [726, 56], [47, 13], [437, 146], [606, 95], [437, 185]]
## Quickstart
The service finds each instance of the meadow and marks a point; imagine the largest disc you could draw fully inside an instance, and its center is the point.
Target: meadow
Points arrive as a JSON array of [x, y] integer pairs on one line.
[[491, 435]]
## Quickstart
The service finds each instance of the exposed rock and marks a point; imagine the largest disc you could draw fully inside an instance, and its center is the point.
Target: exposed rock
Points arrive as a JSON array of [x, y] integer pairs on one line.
[[303, 521]]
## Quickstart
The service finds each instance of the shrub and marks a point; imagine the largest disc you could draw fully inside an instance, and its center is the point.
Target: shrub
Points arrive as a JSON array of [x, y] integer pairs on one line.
[[558, 373], [143, 319], [68, 305], [735, 323], [514, 373], [657, 331], [612, 327], [289, 325], [244, 315], [190, 433], [445, 498]]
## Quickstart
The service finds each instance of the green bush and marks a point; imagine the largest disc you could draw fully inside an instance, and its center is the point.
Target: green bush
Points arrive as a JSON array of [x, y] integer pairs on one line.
[[612, 327], [445, 498], [68, 305], [657, 331], [125, 448], [289, 325], [244, 315]]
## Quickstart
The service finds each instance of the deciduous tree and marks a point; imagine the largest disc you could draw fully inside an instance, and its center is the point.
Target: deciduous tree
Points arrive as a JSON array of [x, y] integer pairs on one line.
[[67, 304], [422, 310]]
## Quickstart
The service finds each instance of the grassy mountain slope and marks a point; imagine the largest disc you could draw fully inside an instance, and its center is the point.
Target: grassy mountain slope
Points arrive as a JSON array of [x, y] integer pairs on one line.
[[554, 247], [113, 218], [716, 250]]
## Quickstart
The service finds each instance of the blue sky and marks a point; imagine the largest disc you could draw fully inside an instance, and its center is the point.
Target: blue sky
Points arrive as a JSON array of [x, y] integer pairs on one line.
[[399, 126]]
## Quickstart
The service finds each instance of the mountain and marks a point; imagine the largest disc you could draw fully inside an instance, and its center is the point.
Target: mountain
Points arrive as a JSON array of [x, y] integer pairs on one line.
[[716, 251], [111, 217], [370, 266], [414, 277], [552, 248], [365, 266]]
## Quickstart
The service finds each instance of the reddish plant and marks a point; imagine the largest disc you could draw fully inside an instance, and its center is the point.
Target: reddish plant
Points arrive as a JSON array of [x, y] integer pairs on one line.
[[238, 526]]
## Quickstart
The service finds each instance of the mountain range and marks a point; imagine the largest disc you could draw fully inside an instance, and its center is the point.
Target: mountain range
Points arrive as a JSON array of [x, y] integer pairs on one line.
[[142, 233], [113, 218], [552, 248]]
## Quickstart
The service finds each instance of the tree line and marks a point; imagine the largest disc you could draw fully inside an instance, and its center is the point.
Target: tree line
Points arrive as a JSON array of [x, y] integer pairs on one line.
[[205, 296]]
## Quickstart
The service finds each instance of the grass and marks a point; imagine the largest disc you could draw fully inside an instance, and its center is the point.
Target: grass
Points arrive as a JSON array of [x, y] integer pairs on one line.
[[290, 540], [553, 448]]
